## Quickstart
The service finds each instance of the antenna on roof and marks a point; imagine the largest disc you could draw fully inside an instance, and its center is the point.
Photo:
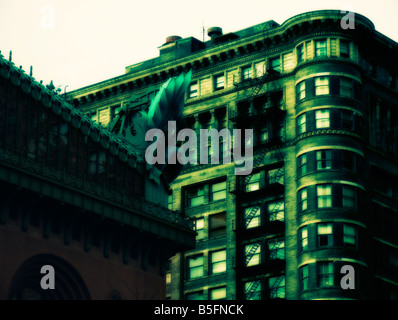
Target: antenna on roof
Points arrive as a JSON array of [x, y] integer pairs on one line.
[[31, 71], [10, 59], [203, 30]]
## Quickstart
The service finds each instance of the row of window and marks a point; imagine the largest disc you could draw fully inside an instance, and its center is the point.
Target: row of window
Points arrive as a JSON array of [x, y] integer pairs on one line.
[[334, 118], [258, 253], [219, 293], [264, 179], [105, 115], [320, 235], [272, 288], [217, 226], [326, 159], [256, 216], [328, 195], [205, 193], [217, 264], [337, 47], [327, 85]]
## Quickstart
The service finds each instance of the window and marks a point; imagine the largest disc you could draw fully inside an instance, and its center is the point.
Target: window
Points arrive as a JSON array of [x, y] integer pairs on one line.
[[218, 262], [219, 191], [303, 277], [275, 64], [303, 200], [346, 87], [320, 48], [324, 195], [254, 183], [276, 249], [349, 197], [276, 176], [302, 164], [218, 224], [218, 293], [325, 274], [194, 295], [193, 90], [260, 69], [300, 91], [253, 290], [347, 119], [104, 116], [195, 196], [219, 82], [195, 267], [252, 217], [246, 73], [350, 236], [348, 160], [277, 287], [344, 49], [321, 85], [276, 211], [253, 254], [199, 228], [170, 201], [322, 118], [325, 234], [300, 53], [323, 159], [302, 123], [168, 272], [303, 240]]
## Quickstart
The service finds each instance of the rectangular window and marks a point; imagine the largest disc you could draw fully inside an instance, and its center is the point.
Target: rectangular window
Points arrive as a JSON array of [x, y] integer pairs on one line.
[[303, 276], [302, 123], [302, 165], [252, 217], [322, 118], [218, 191], [115, 110], [218, 262], [218, 293], [321, 85], [276, 176], [260, 69], [218, 225], [219, 82], [275, 64], [254, 183], [276, 211], [277, 287], [348, 161], [325, 234], [253, 254], [350, 236], [300, 53], [195, 295], [346, 87], [300, 91], [303, 238], [199, 228], [195, 267], [324, 159], [195, 196], [276, 249], [193, 90], [253, 290], [347, 119], [324, 195], [320, 48], [344, 49], [325, 274], [303, 205], [246, 73], [349, 197]]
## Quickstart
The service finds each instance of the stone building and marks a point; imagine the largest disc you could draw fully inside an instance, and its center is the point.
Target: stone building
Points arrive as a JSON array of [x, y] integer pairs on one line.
[[78, 217], [321, 98]]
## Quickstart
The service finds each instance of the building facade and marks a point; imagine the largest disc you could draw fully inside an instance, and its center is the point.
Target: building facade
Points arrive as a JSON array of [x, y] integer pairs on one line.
[[322, 101], [78, 218]]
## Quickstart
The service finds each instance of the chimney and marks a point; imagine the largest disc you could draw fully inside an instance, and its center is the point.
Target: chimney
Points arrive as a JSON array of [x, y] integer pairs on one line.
[[214, 33]]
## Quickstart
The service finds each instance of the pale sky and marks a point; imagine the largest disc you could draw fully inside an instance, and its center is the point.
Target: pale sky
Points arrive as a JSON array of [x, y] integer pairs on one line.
[[76, 43]]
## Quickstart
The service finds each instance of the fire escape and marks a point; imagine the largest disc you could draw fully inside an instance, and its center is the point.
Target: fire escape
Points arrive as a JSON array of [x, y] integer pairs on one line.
[[265, 113]]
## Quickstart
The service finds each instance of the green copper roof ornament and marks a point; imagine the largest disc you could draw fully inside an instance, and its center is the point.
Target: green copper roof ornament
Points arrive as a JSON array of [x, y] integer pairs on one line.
[[137, 117]]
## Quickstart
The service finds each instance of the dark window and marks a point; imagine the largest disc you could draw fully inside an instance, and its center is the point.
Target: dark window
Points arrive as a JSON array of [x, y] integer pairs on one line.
[[300, 91], [218, 224], [303, 274], [325, 274], [344, 49], [348, 160], [347, 119], [300, 53], [325, 234], [302, 164], [323, 159], [246, 73], [302, 123]]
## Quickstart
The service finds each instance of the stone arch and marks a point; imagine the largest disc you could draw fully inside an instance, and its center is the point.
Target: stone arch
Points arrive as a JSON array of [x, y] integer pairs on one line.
[[69, 285]]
